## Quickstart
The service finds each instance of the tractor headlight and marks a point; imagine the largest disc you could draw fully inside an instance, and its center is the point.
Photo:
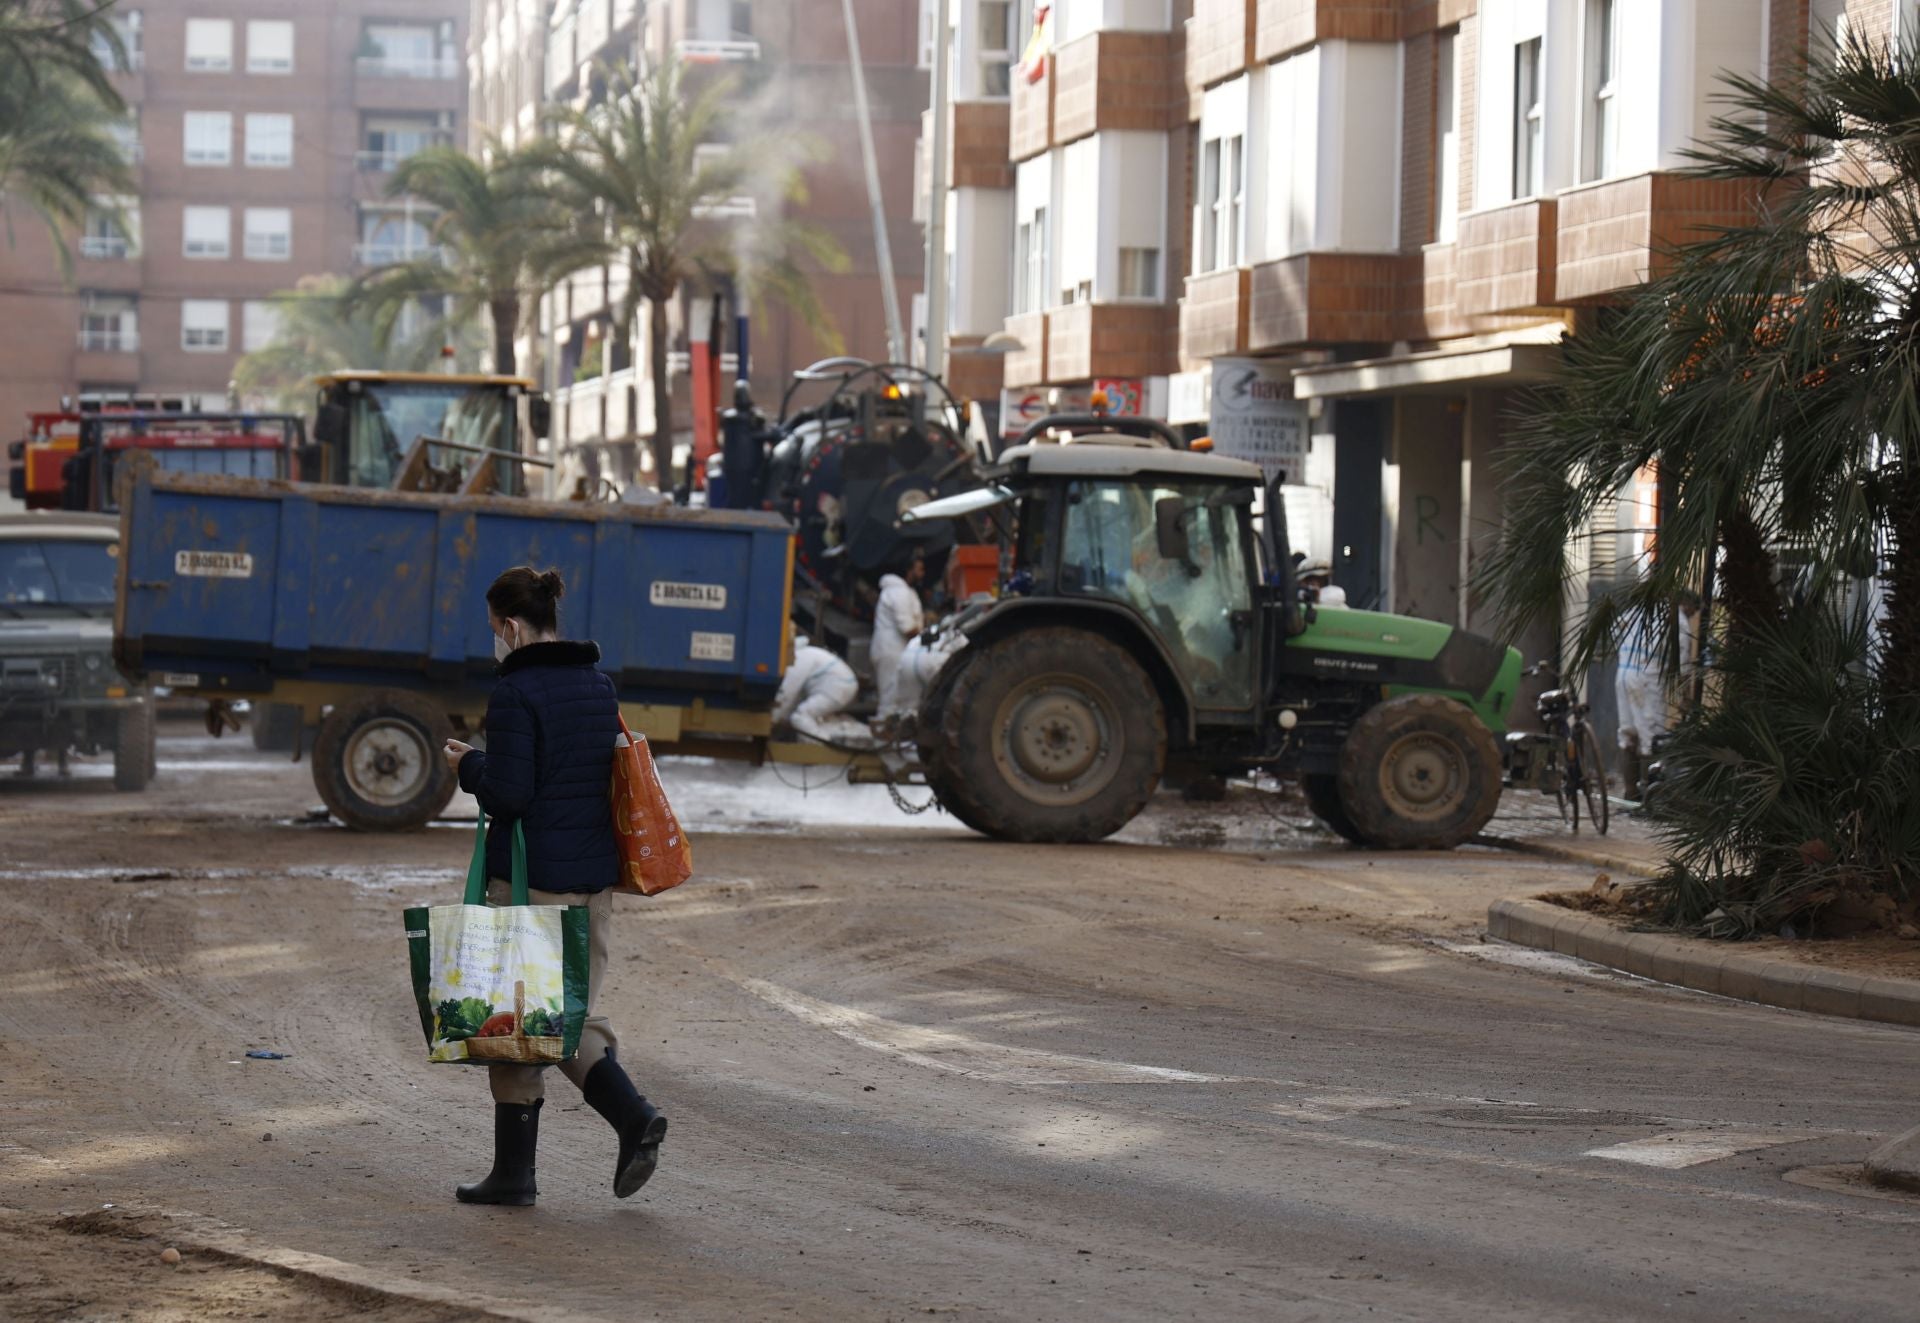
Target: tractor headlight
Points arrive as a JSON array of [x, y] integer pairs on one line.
[[50, 677]]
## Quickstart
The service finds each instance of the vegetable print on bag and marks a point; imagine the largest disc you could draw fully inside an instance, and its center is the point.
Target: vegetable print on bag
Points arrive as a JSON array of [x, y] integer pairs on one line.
[[501, 983]]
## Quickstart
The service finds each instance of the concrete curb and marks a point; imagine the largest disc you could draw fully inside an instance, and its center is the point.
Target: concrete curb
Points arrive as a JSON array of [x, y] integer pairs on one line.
[[195, 1233], [1570, 853], [1694, 964]]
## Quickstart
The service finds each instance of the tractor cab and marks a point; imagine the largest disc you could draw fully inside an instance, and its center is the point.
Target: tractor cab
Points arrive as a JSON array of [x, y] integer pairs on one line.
[[423, 431]]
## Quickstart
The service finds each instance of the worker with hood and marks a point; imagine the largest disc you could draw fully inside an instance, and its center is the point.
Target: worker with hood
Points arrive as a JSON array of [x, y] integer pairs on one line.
[[814, 695], [896, 619]]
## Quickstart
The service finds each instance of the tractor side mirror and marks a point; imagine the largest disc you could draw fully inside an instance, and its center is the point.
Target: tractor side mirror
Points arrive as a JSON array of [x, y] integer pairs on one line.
[[539, 416], [330, 424], [1170, 532]]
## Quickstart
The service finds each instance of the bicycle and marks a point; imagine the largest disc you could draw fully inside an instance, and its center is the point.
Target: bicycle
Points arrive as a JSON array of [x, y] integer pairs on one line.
[[1563, 760]]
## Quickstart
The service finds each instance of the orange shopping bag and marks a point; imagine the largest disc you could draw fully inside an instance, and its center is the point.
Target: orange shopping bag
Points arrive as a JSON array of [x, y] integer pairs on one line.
[[654, 853]]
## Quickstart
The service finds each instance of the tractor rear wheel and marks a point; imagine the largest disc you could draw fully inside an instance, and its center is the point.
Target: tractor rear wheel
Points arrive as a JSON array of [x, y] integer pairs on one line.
[[1049, 735], [1322, 793], [378, 763], [929, 729], [1419, 772]]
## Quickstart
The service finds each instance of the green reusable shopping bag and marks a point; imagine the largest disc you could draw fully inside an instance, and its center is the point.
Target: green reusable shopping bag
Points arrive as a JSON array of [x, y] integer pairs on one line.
[[499, 985]]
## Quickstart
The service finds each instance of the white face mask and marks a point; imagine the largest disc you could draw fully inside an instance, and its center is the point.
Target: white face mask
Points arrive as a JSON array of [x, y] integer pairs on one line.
[[501, 647]]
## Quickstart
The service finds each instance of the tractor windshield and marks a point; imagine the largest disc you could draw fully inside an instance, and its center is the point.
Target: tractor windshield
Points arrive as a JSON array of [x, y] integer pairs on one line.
[[389, 417], [1176, 552]]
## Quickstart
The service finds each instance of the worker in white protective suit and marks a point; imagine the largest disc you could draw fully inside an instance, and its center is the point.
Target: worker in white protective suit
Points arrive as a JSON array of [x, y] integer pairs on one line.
[[921, 662], [1645, 697], [814, 695], [896, 620]]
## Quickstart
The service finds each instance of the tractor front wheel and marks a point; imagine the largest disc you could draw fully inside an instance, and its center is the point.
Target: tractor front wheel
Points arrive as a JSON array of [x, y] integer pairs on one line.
[[1322, 793], [1419, 772]]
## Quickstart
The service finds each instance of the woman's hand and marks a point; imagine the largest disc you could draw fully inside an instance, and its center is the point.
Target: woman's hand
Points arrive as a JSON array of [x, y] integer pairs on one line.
[[455, 751]]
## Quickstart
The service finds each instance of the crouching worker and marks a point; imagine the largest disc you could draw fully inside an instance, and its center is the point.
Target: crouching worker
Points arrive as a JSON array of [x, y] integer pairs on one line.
[[551, 722], [814, 696]]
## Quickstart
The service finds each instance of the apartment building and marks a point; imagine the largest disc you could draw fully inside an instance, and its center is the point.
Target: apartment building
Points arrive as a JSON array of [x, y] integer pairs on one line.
[[262, 135], [1339, 235], [789, 62]]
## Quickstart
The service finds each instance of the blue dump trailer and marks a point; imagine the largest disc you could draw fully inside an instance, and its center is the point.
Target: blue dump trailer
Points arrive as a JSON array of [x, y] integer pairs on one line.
[[367, 610]]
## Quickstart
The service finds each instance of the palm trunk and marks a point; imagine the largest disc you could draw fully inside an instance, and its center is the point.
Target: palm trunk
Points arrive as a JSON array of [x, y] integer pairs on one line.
[[506, 324], [1746, 575], [1900, 629], [662, 394]]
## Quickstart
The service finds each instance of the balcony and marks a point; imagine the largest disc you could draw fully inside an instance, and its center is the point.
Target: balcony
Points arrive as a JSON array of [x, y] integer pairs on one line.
[[1282, 27], [107, 247], [410, 66], [1116, 80], [1612, 236], [1027, 365], [1430, 302], [96, 341], [1030, 113], [1506, 258], [1219, 41], [386, 254], [1087, 340], [1324, 298], [977, 145], [1213, 316]]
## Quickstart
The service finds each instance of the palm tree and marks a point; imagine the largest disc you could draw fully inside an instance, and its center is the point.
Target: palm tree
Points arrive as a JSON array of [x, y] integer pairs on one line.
[[649, 177], [1772, 374], [320, 332], [494, 215], [58, 109]]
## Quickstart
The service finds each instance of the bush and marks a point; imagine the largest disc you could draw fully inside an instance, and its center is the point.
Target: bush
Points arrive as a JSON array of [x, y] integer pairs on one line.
[[1796, 789]]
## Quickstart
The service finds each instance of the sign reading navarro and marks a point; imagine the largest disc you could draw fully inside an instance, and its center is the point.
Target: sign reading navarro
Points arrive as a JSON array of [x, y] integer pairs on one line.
[[214, 564], [696, 596]]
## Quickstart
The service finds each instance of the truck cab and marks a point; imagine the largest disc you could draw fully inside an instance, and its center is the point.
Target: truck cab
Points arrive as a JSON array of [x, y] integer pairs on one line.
[[426, 431], [1148, 619]]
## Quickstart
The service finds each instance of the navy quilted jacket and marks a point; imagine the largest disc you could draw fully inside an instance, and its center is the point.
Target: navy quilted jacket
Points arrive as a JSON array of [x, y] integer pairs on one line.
[[551, 723]]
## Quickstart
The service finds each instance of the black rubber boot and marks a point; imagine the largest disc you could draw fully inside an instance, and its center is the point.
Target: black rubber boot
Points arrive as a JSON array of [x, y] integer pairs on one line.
[[516, 1133], [609, 1092]]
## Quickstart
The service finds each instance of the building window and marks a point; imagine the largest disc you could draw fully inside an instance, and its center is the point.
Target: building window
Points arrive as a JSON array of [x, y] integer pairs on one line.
[[740, 19], [926, 33], [203, 325], [206, 232], [1140, 273], [209, 45], [111, 233], [269, 234], [387, 140], [110, 323], [126, 135], [1223, 201], [126, 22], [269, 46], [1528, 136], [1032, 267], [1602, 109], [407, 50], [996, 47], [1446, 153], [259, 324], [270, 140], [209, 137]]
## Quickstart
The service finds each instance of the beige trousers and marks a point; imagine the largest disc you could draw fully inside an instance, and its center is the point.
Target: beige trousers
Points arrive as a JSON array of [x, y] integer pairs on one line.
[[527, 1084]]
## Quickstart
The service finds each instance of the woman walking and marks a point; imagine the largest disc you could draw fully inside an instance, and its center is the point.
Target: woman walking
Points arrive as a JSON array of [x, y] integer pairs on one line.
[[551, 724]]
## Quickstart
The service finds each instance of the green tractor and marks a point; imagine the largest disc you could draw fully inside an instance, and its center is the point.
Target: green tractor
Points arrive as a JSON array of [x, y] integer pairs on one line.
[[1144, 628]]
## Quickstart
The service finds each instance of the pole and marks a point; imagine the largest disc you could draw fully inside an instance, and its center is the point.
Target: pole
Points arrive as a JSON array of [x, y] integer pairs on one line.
[[882, 250], [936, 345]]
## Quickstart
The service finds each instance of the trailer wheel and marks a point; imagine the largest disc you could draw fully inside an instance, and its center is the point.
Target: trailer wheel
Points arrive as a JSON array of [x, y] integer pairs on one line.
[[1050, 735], [134, 756], [1322, 793], [1419, 772], [377, 763]]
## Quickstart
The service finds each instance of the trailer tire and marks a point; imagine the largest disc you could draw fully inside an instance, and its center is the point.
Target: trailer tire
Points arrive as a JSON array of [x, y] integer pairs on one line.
[[377, 762], [134, 755], [1051, 735], [1419, 772], [1321, 790]]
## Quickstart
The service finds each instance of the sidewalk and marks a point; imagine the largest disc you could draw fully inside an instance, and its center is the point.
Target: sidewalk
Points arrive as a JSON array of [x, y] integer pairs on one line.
[[1532, 824]]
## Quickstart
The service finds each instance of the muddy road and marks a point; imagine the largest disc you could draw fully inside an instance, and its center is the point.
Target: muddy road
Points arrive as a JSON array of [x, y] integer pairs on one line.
[[912, 1072]]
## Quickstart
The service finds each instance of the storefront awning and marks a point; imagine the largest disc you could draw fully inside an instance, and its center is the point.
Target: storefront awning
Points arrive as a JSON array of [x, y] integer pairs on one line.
[[1479, 364]]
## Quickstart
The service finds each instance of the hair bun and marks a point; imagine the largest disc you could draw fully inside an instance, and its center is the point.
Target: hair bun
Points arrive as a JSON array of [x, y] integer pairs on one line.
[[553, 585]]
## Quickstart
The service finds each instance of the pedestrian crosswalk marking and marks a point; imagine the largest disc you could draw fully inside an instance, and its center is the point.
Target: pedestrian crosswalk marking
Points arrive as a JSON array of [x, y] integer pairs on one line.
[[1690, 1148]]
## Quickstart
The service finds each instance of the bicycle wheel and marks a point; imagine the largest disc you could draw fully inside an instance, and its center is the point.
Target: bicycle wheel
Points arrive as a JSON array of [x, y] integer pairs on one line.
[[1566, 782], [1593, 779]]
